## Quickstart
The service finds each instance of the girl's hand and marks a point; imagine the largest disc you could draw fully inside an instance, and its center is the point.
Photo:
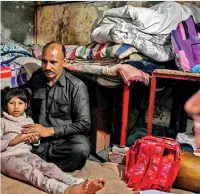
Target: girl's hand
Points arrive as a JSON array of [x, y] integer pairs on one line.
[[19, 139], [32, 139]]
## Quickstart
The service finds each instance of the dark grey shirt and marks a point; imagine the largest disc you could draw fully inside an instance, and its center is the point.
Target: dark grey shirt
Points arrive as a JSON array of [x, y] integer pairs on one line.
[[64, 106]]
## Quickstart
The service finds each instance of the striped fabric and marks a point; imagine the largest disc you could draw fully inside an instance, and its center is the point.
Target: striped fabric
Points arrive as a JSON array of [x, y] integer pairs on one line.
[[92, 51], [107, 50], [70, 51]]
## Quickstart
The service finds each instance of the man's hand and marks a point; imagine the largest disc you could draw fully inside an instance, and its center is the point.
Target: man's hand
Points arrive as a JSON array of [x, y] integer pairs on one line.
[[38, 130]]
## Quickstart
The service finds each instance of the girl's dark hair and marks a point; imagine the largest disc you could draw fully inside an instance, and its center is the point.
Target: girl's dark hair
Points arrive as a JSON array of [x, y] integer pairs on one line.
[[22, 94]]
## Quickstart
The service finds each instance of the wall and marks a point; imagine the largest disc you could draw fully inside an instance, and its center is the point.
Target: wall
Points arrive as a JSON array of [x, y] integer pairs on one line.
[[68, 22], [17, 21], [71, 23]]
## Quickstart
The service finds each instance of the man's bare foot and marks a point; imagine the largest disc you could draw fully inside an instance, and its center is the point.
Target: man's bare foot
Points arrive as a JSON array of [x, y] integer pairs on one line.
[[87, 187]]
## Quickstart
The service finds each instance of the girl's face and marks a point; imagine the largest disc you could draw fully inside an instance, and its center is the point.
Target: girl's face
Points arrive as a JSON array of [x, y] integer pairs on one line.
[[16, 107]]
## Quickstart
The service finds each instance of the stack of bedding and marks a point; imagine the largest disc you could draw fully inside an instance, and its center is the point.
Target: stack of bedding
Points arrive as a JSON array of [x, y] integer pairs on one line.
[[128, 43]]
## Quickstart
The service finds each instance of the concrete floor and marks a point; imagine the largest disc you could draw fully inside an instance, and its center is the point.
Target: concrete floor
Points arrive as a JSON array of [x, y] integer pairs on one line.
[[100, 156]]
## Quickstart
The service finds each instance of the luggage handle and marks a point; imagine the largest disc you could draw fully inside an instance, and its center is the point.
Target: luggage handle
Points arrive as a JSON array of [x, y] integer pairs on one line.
[[159, 139]]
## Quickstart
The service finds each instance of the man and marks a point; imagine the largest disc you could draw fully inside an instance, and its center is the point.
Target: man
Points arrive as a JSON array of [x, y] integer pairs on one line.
[[192, 106], [61, 107]]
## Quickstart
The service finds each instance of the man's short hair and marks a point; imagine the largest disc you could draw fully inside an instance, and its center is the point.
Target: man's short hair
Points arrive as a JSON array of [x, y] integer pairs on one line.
[[55, 42]]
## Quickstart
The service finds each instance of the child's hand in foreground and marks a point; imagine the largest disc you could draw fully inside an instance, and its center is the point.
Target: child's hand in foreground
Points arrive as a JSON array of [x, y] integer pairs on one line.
[[19, 139]]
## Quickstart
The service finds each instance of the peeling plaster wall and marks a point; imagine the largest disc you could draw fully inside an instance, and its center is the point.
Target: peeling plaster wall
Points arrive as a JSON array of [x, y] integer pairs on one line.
[[71, 23], [17, 21]]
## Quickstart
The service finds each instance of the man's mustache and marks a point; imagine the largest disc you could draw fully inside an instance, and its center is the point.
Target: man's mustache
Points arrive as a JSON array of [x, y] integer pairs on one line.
[[49, 71]]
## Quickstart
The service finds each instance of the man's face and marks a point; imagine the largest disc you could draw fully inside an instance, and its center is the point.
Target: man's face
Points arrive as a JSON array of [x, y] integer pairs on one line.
[[53, 61]]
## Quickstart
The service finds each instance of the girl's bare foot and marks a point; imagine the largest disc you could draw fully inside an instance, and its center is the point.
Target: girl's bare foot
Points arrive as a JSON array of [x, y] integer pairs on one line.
[[88, 187]]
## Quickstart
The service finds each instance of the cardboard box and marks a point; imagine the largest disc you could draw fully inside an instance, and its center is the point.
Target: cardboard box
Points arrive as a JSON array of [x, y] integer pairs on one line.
[[100, 133], [102, 116]]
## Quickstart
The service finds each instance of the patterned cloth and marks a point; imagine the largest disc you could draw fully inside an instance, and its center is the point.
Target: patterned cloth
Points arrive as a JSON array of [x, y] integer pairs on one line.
[[110, 70], [136, 57], [147, 29], [101, 62], [37, 51], [12, 75], [9, 52], [96, 59], [126, 72], [146, 66], [130, 74], [70, 51], [18, 72], [196, 69], [92, 51], [107, 50]]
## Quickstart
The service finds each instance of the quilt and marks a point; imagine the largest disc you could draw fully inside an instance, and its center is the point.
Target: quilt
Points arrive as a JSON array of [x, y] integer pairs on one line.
[[147, 29]]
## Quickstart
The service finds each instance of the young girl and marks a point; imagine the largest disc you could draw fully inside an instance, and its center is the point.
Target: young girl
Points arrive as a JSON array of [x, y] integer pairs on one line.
[[18, 162]]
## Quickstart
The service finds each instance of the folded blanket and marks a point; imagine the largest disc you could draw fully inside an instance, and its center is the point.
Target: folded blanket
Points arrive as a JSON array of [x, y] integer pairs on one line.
[[130, 74], [9, 52], [106, 50], [93, 51], [12, 75], [147, 29], [100, 62], [70, 51], [18, 72], [126, 72]]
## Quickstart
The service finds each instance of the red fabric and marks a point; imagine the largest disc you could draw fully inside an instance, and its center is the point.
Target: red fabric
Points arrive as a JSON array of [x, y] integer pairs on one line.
[[5, 72], [152, 163], [97, 55], [130, 73]]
